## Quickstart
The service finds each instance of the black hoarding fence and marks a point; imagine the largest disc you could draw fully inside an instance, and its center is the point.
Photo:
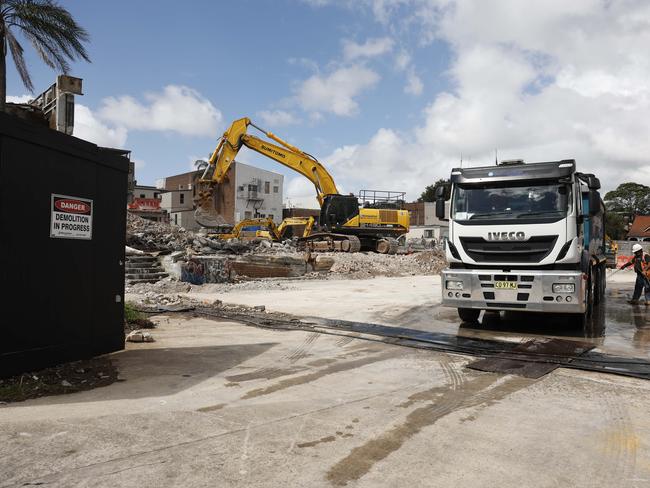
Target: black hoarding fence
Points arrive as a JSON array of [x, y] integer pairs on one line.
[[63, 217]]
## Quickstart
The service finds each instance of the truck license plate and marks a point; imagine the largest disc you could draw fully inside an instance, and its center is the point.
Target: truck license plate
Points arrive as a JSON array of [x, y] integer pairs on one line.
[[508, 285]]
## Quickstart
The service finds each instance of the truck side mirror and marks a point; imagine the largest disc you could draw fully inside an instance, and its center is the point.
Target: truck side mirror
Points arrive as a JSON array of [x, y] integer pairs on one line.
[[442, 195], [593, 183], [440, 208], [594, 202]]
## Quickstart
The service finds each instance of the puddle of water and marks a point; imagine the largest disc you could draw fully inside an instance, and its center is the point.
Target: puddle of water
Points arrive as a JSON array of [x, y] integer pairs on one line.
[[616, 327]]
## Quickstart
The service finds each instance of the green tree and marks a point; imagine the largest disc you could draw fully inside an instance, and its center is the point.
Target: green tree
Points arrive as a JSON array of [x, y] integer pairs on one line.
[[629, 199], [54, 34], [615, 226], [429, 193]]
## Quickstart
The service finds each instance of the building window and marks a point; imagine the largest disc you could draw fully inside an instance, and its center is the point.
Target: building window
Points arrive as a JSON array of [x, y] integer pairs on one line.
[[261, 216], [156, 194], [276, 189], [247, 215], [241, 188], [176, 219], [267, 187], [270, 216], [252, 187], [142, 195], [182, 198]]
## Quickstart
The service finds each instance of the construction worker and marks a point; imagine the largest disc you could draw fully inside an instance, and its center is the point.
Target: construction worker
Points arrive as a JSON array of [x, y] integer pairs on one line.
[[641, 263]]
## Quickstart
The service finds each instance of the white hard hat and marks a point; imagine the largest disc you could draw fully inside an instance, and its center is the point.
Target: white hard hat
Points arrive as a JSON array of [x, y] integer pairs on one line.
[[637, 248]]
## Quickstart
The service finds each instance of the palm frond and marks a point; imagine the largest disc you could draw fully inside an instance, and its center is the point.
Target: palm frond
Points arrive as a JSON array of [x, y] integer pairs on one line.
[[52, 31], [17, 54]]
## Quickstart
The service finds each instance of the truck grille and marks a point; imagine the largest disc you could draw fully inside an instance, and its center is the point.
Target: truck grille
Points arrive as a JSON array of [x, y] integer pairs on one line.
[[531, 251]]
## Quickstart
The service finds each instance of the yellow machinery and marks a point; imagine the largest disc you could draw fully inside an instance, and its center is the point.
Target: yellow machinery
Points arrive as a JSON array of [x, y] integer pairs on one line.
[[611, 251], [235, 232], [278, 233], [269, 229], [343, 224]]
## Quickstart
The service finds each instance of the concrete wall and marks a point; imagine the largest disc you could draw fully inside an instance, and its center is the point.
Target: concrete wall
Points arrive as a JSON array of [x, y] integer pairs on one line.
[[625, 251], [183, 181], [176, 201], [185, 219], [424, 214], [267, 201], [146, 192], [428, 231]]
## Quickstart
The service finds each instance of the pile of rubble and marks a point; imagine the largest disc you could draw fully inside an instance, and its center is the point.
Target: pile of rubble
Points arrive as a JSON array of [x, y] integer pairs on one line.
[[368, 265], [146, 235], [200, 259]]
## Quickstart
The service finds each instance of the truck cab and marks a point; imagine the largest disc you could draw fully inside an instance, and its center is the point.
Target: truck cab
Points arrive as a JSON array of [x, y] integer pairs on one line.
[[526, 237]]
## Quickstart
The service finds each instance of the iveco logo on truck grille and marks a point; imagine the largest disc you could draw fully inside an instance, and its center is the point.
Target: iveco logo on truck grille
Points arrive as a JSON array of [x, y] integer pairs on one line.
[[506, 236]]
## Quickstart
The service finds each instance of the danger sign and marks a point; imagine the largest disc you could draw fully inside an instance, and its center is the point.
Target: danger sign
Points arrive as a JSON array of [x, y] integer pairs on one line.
[[72, 217]]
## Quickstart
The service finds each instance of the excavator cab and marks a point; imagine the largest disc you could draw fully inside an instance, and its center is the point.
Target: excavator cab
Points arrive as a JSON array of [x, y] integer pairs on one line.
[[337, 210]]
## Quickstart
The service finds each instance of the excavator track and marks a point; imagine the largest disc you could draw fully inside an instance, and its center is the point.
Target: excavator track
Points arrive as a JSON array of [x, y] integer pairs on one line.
[[327, 241], [387, 245]]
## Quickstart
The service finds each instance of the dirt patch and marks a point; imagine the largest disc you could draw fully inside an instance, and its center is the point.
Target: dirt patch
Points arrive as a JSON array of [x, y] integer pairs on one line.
[[59, 380]]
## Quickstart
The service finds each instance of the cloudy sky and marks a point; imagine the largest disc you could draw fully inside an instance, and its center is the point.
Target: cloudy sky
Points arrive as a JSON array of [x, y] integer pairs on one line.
[[388, 94]]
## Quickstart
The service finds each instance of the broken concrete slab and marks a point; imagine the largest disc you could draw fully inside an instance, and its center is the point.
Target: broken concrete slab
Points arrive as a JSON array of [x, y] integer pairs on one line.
[[140, 336], [268, 266]]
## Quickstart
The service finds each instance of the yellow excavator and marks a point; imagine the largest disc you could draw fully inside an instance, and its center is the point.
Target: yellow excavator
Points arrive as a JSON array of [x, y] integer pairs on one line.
[[268, 228], [611, 252], [343, 225], [278, 233]]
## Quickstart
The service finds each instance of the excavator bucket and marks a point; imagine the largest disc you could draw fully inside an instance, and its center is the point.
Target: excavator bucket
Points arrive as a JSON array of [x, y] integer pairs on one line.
[[206, 214]]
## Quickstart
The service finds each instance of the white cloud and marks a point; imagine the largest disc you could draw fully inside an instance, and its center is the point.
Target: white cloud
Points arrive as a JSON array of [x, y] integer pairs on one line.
[[300, 192], [336, 93], [370, 48], [177, 109], [537, 80], [278, 118], [89, 127], [402, 60], [414, 85], [19, 99]]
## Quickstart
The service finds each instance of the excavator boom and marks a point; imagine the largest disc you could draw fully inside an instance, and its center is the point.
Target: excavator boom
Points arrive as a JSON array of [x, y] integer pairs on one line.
[[343, 224], [284, 153]]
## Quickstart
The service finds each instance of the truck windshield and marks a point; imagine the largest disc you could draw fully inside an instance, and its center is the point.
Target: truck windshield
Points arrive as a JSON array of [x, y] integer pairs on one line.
[[511, 202]]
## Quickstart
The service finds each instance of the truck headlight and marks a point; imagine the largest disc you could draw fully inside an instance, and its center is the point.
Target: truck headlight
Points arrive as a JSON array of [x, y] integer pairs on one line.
[[454, 285], [564, 287]]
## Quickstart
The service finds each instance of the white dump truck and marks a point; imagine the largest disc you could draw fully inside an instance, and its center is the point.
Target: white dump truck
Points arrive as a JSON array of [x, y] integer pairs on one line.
[[523, 237]]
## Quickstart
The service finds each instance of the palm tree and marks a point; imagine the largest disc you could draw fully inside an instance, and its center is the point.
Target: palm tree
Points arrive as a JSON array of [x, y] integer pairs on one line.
[[54, 34]]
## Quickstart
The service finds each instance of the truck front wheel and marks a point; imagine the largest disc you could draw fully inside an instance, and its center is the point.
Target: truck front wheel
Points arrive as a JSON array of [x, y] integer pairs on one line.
[[469, 315]]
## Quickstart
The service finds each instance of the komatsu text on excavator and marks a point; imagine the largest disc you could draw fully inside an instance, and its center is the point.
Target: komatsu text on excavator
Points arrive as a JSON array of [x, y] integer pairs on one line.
[[343, 225]]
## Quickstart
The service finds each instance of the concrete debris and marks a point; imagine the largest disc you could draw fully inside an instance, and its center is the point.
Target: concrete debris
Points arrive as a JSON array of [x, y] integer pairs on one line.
[[149, 236], [131, 251], [195, 259], [368, 265], [139, 336]]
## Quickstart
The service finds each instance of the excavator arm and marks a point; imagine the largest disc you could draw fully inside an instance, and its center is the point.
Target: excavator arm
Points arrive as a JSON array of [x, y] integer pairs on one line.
[[308, 222], [284, 153]]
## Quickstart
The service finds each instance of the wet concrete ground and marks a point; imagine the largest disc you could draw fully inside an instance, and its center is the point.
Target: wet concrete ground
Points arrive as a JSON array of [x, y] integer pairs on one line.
[[222, 404], [226, 405], [616, 327]]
